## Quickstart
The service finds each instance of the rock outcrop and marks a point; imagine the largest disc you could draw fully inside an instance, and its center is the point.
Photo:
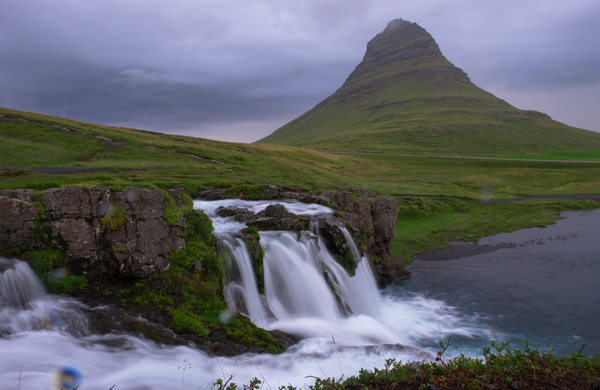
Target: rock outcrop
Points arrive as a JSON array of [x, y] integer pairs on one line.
[[276, 217], [372, 222], [103, 233]]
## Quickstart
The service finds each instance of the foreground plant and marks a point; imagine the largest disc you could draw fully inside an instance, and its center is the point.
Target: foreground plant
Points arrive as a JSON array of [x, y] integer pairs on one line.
[[500, 368]]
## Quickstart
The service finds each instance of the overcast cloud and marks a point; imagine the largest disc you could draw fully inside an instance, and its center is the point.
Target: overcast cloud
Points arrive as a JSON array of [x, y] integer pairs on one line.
[[236, 70]]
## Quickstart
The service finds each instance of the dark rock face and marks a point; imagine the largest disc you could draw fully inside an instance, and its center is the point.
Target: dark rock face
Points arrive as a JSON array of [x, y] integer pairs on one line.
[[372, 222], [276, 217], [241, 214], [78, 221]]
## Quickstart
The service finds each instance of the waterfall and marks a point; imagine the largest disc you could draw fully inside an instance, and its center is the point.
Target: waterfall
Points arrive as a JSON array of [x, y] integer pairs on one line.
[[305, 289], [25, 305], [241, 291], [18, 284]]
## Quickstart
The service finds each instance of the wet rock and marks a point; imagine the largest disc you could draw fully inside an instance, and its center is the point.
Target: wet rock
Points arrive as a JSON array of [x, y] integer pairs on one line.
[[372, 222], [241, 214], [212, 194], [331, 231], [273, 211], [276, 217]]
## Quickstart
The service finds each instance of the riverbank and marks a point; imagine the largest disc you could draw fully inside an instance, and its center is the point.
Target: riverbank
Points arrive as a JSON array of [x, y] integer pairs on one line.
[[431, 224]]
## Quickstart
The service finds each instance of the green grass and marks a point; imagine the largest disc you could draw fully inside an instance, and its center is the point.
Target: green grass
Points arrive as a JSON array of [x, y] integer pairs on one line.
[[426, 224], [161, 161], [32, 144]]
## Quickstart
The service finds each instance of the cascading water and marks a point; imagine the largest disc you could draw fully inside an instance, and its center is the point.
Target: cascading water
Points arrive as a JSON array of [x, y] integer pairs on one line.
[[306, 291], [18, 284], [25, 305]]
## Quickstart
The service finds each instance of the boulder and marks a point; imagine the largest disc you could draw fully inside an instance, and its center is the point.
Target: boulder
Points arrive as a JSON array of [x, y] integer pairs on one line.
[[241, 214], [276, 217]]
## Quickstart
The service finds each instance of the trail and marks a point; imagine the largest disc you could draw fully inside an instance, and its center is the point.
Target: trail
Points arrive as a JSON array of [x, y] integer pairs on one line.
[[594, 197], [465, 157]]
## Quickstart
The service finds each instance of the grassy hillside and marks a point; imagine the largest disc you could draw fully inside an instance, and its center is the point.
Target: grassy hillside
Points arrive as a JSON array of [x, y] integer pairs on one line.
[[406, 97], [34, 148]]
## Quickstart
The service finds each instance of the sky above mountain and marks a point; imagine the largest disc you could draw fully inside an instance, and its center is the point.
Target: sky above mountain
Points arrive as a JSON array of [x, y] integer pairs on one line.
[[237, 70]]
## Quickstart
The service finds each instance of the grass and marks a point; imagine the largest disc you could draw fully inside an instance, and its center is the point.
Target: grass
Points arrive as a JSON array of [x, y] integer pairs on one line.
[[162, 161], [427, 224]]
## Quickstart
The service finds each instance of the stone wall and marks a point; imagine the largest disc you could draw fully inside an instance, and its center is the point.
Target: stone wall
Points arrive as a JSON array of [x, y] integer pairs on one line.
[[103, 233]]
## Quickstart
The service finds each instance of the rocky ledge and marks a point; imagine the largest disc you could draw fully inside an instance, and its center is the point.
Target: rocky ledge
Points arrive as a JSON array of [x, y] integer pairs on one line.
[[103, 233], [370, 219]]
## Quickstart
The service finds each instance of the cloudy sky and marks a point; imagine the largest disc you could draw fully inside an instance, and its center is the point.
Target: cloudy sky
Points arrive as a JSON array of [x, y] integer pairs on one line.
[[236, 70]]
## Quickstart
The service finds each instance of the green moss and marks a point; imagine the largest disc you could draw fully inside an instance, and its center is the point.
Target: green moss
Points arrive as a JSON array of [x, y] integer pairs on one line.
[[12, 252], [67, 285], [148, 333], [250, 192], [119, 249], [115, 218], [45, 263], [173, 208], [184, 321]]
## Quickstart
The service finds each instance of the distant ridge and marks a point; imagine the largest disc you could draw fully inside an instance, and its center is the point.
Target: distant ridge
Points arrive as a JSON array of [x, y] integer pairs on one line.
[[406, 97]]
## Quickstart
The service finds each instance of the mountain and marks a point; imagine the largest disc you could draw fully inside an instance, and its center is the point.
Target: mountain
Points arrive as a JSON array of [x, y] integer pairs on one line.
[[406, 97]]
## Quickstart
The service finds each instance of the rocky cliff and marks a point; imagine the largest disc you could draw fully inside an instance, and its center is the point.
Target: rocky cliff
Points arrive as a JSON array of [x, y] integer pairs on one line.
[[102, 232]]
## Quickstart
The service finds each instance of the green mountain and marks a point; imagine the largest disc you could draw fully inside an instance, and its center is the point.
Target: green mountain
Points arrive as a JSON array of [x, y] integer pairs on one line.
[[406, 97]]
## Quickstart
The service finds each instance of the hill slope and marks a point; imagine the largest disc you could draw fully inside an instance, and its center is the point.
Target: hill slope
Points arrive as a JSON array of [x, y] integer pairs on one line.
[[406, 97]]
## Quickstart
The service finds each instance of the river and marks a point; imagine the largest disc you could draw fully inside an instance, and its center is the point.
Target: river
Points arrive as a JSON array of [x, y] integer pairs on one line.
[[544, 287]]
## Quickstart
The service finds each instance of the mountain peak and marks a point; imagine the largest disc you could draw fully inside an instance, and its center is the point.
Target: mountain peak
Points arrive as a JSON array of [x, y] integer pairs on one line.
[[402, 47], [406, 97]]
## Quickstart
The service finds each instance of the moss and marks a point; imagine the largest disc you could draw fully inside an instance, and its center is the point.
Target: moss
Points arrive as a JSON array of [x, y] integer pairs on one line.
[[347, 261], [12, 252], [257, 254], [177, 208], [67, 285], [45, 264], [119, 249], [149, 334], [186, 321], [114, 219]]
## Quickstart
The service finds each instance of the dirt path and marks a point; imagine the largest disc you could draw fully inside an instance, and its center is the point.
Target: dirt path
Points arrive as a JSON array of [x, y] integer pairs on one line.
[[467, 158], [595, 197]]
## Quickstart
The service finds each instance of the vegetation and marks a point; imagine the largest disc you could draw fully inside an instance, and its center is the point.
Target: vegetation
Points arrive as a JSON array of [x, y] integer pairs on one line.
[[157, 160], [47, 266], [425, 223], [189, 296], [500, 368]]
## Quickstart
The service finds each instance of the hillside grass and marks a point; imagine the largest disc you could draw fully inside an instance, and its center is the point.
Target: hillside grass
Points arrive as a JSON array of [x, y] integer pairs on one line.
[[161, 161], [427, 224]]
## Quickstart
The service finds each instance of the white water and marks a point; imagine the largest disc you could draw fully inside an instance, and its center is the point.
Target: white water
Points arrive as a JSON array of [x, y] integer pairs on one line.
[[43, 333]]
